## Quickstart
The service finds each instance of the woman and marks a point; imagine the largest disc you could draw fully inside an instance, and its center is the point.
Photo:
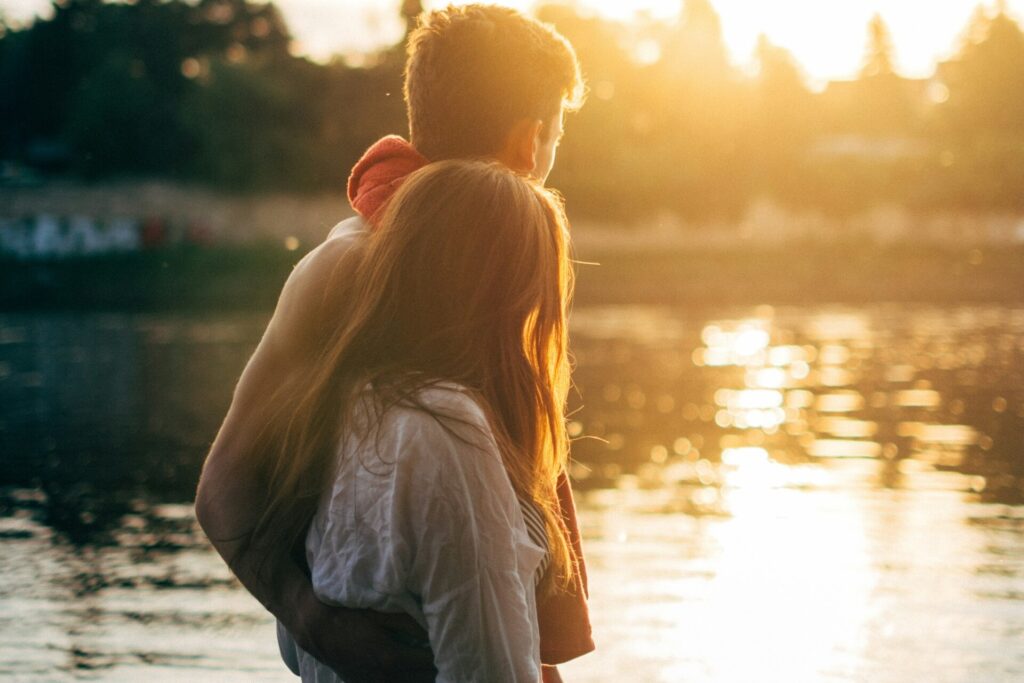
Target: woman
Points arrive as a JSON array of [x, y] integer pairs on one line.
[[422, 447]]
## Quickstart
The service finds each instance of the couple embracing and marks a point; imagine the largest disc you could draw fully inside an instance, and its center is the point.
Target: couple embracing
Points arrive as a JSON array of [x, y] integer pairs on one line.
[[390, 478]]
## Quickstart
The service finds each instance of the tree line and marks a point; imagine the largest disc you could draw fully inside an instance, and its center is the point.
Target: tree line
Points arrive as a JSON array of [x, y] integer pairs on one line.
[[209, 92]]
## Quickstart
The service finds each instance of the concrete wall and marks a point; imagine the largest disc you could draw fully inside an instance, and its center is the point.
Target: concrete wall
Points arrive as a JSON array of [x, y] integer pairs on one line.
[[64, 219]]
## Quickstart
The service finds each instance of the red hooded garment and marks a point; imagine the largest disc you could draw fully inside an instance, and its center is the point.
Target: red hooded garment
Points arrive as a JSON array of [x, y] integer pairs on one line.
[[565, 631]]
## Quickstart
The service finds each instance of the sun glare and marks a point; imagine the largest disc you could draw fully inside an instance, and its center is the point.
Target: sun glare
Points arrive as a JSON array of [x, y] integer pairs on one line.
[[613, 9], [826, 38]]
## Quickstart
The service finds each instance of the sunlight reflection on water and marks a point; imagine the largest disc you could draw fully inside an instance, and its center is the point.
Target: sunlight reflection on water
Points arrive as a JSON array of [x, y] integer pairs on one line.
[[871, 563], [824, 578]]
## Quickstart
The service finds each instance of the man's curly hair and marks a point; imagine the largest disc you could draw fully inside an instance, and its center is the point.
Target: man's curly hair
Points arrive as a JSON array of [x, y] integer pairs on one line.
[[474, 71]]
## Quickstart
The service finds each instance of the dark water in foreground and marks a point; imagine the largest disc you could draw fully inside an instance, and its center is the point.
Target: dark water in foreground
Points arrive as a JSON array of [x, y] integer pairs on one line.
[[792, 495]]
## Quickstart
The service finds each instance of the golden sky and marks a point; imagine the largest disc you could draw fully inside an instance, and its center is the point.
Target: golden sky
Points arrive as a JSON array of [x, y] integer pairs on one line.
[[826, 36]]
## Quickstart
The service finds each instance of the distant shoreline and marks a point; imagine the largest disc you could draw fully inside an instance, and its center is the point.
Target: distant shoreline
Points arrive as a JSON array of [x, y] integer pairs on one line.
[[811, 274], [250, 277]]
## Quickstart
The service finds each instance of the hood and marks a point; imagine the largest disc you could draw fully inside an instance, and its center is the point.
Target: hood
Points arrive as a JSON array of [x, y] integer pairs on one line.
[[379, 172]]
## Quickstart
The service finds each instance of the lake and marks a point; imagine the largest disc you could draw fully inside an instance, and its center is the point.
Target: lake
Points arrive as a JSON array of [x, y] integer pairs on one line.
[[791, 494]]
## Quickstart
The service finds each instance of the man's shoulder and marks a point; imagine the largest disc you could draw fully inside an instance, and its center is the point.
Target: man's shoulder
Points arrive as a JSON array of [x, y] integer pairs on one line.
[[314, 292], [350, 228], [320, 264]]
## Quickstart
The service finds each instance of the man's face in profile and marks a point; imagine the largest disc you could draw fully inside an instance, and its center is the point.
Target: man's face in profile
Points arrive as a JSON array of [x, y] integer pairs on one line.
[[547, 144]]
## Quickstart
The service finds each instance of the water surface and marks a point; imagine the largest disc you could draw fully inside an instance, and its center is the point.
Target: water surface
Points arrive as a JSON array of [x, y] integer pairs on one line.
[[826, 494]]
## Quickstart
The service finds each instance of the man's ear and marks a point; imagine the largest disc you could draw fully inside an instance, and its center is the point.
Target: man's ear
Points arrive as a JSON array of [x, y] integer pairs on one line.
[[520, 150]]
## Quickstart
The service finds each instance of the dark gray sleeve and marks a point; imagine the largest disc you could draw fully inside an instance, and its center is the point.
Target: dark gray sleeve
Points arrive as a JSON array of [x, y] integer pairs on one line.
[[289, 650]]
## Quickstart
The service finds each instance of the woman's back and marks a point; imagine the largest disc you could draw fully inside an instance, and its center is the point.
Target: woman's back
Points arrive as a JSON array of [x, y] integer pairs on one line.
[[464, 275], [421, 518]]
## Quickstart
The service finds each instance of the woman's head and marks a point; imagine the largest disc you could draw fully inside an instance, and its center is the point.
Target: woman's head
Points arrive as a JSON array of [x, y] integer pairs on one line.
[[466, 278], [467, 258]]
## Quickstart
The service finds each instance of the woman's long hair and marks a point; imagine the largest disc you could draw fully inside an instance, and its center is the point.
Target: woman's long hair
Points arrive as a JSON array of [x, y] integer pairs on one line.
[[466, 278]]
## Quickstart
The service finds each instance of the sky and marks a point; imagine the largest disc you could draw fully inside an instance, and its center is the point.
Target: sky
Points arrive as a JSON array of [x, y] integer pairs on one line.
[[827, 37]]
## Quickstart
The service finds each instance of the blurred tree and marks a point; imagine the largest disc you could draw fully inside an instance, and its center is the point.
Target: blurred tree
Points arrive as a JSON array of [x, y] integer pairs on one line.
[[783, 125], [255, 125], [977, 27], [208, 90], [884, 102], [986, 79], [700, 113], [148, 138], [602, 135], [697, 48], [243, 123], [411, 11], [98, 67], [982, 122], [879, 58]]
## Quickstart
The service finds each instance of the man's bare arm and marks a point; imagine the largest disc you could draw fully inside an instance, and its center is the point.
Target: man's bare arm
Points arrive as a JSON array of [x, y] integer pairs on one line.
[[356, 643]]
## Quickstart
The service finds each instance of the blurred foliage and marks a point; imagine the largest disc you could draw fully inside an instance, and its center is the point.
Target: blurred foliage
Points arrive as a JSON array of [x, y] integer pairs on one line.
[[205, 91], [208, 91]]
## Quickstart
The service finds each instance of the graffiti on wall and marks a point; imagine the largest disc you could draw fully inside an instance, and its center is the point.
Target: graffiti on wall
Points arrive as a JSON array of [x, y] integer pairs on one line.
[[47, 237]]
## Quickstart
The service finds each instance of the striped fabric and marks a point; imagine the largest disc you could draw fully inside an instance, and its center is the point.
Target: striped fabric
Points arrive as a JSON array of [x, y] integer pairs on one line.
[[535, 528]]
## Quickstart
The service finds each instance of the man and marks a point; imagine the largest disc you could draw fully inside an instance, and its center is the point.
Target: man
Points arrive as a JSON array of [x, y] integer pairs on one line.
[[480, 81]]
